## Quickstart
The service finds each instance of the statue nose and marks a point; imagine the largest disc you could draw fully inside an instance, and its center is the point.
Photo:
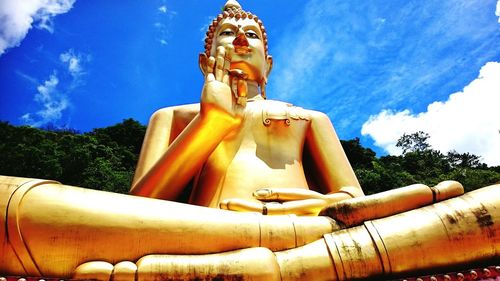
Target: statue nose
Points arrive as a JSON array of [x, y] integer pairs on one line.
[[241, 39]]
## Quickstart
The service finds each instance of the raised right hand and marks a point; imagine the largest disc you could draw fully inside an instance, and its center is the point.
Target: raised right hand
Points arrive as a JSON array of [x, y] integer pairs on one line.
[[217, 90]]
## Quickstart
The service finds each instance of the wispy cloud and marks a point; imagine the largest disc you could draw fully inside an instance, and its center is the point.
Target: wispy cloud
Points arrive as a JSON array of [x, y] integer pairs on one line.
[[351, 60], [53, 103], [162, 23], [32, 80], [469, 121], [163, 9], [73, 62], [204, 28], [497, 12], [17, 18], [53, 95]]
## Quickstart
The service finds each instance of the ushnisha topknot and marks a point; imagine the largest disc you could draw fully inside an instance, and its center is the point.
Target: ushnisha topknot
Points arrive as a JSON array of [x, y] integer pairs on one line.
[[232, 9]]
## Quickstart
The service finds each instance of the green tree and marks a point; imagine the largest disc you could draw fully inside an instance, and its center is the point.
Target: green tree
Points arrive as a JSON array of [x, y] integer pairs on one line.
[[359, 157], [416, 142], [103, 159]]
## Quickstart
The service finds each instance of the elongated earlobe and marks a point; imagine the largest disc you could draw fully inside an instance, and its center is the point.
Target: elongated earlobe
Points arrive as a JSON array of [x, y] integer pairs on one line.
[[269, 60], [262, 86], [202, 63]]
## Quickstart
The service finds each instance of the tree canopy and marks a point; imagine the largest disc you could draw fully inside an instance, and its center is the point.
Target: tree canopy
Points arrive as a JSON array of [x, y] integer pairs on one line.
[[102, 159], [419, 163], [105, 159]]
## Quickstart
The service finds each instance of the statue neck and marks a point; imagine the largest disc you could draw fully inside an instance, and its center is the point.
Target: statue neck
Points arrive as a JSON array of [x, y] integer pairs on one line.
[[253, 89]]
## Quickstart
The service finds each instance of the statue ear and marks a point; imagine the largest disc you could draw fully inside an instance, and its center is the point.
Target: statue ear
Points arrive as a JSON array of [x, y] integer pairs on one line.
[[269, 60], [202, 63]]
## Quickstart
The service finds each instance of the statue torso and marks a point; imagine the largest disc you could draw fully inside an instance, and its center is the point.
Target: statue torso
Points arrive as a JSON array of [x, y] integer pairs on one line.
[[265, 152]]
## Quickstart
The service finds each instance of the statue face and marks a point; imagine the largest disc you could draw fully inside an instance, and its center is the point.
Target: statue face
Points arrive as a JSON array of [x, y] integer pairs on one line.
[[249, 53]]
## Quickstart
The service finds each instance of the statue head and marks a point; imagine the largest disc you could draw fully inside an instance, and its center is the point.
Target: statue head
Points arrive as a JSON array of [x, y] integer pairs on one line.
[[246, 33]]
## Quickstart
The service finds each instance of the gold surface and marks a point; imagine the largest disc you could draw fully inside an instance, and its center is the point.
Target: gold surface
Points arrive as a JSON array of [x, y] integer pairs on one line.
[[88, 234], [258, 264], [62, 227], [252, 157], [235, 142], [447, 235], [355, 211]]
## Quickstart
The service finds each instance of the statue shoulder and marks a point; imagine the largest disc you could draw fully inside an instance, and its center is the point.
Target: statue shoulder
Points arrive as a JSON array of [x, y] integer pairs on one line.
[[318, 115], [186, 111], [291, 111], [277, 103], [185, 108]]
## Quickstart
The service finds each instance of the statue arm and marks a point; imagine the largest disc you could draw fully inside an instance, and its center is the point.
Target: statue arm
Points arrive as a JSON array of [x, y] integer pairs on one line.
[[184, 157], [219, 116], [159, 135], [331, 167]]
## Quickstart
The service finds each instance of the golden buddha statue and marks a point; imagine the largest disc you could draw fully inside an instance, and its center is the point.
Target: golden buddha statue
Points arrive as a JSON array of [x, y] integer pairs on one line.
[[253, 158], [235, 133]]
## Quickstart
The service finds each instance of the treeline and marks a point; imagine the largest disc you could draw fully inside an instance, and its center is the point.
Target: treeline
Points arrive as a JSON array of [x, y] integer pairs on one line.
[[419, 163], [105, 159], [102, 159]]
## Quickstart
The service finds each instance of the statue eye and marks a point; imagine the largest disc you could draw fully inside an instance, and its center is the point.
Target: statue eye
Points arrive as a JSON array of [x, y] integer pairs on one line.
[[227, 33], [251, 34]]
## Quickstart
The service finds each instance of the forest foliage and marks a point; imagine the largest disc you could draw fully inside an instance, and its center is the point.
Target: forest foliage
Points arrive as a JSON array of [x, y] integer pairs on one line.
[[105, 159]]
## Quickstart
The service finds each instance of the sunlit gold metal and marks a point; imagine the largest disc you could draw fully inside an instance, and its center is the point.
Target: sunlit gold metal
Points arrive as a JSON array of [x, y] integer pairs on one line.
[[86, 234], [240, 154], [273, 166], [56, 228], [355, 211], [449, 234]]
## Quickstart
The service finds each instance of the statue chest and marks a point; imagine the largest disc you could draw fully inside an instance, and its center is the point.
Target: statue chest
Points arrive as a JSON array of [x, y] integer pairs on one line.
[[275, 126]]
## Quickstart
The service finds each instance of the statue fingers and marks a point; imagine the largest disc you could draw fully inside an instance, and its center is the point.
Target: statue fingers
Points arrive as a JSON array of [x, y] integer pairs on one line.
[[241, 205], [225, 77], [286, 194], [227, 64], [209, 67], [219, 63], [308, 207]]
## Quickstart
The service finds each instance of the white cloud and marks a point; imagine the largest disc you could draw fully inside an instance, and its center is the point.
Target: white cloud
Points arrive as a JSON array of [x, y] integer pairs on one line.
[[18, 16], [297, 67], [46, 90], [204, 28], [469, 121], [53, 94], [53, 103], [162, 24], [73, 62], [351, 59], [28, 78], [163, 9], [497, 12]]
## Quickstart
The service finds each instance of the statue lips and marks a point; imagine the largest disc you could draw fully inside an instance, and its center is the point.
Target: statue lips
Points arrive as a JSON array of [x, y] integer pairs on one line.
[[242, 50]]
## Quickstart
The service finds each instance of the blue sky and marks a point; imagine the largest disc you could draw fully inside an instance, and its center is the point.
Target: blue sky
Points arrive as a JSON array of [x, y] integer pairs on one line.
[[377, 68]]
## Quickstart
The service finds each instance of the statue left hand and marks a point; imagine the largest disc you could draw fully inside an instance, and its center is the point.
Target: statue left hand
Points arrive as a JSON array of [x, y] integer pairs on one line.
[[281, 201]]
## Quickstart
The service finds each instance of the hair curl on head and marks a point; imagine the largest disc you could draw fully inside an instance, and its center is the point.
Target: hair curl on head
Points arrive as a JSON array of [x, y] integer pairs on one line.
[[232, 9]]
